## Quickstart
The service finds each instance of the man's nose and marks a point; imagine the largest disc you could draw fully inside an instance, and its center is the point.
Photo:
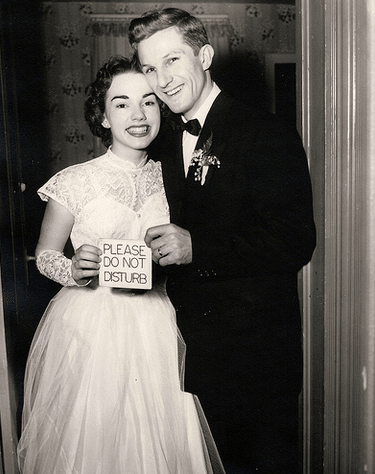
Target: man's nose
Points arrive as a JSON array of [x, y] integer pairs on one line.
[[164, 78]]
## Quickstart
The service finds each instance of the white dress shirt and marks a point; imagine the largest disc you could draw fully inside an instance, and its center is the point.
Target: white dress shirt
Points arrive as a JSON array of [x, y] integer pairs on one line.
[[189, 141]]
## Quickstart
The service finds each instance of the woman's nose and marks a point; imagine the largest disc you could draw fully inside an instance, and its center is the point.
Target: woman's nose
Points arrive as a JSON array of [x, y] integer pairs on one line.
[[138, 114]]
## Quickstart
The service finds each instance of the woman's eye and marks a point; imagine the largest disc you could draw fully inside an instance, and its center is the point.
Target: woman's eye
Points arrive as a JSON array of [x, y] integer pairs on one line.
[[149, 103], [121, 106]]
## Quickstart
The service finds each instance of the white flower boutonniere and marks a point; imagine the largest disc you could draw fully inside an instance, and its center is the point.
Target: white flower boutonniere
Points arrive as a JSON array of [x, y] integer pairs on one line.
[[202, 159]]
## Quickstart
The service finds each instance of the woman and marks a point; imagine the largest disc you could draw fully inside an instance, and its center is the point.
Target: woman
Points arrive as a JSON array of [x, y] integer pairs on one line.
[[102, 387]]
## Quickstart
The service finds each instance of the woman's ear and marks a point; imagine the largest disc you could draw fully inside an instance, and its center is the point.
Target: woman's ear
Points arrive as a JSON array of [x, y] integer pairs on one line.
[[206, 54], [105, 123]]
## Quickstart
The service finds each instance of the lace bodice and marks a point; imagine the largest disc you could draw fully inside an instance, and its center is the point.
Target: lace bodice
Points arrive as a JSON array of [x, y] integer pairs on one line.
[[109, 198]]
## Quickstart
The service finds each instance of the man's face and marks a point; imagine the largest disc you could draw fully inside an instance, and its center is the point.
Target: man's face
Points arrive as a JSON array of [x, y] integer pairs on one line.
[[172, 70]]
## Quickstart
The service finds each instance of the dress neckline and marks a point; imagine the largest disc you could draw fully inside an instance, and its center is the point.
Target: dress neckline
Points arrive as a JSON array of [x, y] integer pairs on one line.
[[126, 163]]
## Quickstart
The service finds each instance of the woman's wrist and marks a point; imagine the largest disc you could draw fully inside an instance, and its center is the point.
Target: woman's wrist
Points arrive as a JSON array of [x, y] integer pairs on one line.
[[54, 265]]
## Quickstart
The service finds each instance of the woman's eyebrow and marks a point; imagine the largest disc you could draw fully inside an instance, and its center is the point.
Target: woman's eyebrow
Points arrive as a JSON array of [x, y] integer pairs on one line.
[[119, 97]]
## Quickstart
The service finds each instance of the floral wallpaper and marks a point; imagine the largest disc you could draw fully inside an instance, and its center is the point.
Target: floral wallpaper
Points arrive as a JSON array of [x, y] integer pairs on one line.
[[256, 29]]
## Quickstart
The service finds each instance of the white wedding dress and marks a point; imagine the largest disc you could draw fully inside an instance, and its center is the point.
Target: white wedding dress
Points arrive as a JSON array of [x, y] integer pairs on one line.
[[103, 377]]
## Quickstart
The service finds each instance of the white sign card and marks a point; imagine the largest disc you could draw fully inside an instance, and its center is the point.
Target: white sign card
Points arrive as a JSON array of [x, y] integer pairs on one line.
[[125, 264]]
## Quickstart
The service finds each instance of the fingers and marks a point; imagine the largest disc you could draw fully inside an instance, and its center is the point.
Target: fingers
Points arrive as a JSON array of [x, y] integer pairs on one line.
[[162, 235], [155, 239], [88, 253], [171, 245], [155, 232], [158, 253], [86, 262]]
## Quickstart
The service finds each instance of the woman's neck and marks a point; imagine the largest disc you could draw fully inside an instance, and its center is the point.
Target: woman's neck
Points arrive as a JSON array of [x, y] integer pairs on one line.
[[129, 154]]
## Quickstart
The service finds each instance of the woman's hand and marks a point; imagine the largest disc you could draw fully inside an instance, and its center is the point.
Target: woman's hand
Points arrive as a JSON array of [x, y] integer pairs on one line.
[[86, 264]]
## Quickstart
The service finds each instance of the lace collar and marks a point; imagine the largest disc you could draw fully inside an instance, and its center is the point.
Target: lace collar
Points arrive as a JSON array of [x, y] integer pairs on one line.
[[125, 163]]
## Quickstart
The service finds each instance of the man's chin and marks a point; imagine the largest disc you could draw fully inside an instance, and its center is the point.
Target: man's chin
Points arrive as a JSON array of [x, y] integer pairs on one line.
[[176, 106], [175, 109]]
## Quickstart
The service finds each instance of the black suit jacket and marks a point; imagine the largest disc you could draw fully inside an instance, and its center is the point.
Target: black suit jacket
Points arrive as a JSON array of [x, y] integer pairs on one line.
[[252, 230]]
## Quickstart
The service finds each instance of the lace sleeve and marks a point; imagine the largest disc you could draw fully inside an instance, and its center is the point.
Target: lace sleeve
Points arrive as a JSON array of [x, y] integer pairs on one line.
[[62, 187], [56, 266]]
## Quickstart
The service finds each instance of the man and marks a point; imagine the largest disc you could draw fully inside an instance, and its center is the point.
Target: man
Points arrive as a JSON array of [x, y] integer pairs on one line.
[[241, 228]]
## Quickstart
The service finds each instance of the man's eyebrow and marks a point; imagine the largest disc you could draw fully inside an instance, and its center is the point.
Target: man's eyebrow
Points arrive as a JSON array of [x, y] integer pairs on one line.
[[171, 53]]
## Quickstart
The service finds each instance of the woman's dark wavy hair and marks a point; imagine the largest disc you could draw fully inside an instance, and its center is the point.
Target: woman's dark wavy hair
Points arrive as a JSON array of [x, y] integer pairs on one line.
[[96, 94], [190, 27]]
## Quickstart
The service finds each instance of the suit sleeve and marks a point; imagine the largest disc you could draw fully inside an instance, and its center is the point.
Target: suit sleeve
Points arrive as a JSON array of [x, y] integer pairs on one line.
[[271, 230]]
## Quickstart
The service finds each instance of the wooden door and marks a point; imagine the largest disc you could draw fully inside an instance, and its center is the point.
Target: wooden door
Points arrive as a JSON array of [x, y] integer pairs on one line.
[[11, 249], [24, 293]]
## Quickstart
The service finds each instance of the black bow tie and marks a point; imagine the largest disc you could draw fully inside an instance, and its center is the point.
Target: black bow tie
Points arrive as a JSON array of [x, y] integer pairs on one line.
[[192, 126]]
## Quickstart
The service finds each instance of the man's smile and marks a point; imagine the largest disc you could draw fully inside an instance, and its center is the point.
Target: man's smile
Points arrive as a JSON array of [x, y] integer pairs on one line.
[[173, 91]]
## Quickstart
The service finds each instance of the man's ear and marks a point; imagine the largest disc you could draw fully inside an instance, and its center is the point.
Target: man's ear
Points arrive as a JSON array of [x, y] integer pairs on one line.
[[206, 54]]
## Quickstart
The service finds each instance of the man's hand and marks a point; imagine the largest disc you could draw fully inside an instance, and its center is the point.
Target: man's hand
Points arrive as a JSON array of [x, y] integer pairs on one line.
[[170, 245]]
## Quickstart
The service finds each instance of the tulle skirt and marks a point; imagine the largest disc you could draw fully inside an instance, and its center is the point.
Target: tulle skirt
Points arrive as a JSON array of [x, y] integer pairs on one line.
[[103, 389]]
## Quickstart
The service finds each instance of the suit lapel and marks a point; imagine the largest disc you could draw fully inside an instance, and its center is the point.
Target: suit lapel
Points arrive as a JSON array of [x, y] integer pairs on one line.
[[215, 125], [179, 188], [173, 172]]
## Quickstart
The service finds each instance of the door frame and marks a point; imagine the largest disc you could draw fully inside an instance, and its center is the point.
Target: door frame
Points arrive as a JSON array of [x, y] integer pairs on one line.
[[337, 97]]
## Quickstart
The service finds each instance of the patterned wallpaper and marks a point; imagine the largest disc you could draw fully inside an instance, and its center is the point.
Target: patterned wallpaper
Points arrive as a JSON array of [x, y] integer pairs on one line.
[[257, 29]]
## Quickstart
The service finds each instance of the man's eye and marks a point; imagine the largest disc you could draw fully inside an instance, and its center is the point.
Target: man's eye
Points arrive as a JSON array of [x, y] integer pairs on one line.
[[172, 60]]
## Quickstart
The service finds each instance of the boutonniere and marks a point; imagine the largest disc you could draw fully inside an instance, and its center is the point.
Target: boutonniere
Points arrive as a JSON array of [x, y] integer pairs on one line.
[[202, 159]]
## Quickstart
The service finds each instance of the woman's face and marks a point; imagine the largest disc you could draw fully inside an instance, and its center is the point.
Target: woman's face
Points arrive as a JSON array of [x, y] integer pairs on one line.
[[132, 113]]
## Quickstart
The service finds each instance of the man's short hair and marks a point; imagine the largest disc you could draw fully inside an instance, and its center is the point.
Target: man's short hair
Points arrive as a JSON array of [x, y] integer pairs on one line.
[[190, 27]]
